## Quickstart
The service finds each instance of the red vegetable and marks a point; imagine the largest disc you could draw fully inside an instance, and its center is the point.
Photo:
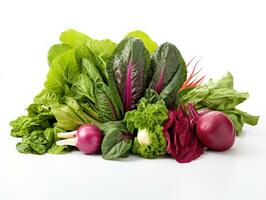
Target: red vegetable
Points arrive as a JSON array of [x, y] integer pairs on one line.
[[214, 129], [179, 131], [192, 80], [87, 138]]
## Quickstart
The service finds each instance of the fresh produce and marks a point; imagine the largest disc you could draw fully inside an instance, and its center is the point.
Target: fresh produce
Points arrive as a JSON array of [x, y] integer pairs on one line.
[[117, 141], [87, 139], [214, 129], [128, 97], [150, 45], [128, 71], [169, 73], [180, 133], [147, 122], [220, 95]]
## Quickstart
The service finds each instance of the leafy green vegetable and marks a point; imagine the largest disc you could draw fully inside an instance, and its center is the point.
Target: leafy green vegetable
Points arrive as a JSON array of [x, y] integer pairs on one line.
[[117, 140], [83, 86], [220, 95], [63, 72], [102, 51], [71, 37], [97, 51], [38, 142], [37, 130], [97, 81], [239, 117], [39, 117], [47, 98], [56, 50], [169, 72], [56, 149], [150, 142], [128, 69], [106, 104], [150, 45], [71, 115], [89, 68]]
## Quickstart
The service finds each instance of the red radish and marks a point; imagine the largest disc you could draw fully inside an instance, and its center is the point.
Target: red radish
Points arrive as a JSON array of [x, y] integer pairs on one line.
[[87, 138], [214, 129]]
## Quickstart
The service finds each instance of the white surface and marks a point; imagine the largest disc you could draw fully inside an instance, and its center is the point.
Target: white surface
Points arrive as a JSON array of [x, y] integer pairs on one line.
[[228, 35]]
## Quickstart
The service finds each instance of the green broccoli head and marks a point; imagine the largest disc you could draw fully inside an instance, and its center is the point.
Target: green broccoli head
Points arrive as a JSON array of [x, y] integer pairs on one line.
[[148, 121]]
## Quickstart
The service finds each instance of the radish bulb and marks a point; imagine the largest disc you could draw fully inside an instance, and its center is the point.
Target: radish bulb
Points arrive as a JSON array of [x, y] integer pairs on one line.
[[214, 129], [87, 138]]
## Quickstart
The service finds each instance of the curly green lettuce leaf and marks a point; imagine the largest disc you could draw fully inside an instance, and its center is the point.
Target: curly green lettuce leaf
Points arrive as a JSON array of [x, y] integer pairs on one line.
[[154, 147], [147, 120], [39, 117]]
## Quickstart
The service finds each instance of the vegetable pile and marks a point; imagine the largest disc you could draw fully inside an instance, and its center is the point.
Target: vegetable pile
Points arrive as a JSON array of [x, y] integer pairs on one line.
[[131, 97]]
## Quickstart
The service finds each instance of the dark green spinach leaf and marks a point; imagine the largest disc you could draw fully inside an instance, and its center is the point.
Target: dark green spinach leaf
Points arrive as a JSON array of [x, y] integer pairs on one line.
[[117, 140]]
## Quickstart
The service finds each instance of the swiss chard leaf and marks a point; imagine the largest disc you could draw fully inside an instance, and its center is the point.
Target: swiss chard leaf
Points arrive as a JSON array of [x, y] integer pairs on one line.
[[128, 71], [106, 104], [169, 72]]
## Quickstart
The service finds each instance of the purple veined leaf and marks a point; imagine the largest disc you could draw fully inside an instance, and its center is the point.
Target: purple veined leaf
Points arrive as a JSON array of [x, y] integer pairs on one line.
[[169, 72], [159, 84], [106, 104], [128, 71]]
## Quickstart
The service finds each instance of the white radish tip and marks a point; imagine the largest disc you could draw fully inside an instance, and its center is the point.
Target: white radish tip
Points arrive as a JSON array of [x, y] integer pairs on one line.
[[68, 141], [67, 134]]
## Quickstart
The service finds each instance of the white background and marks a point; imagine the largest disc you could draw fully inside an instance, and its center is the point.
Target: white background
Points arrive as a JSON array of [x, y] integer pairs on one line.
[[227, 35]]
